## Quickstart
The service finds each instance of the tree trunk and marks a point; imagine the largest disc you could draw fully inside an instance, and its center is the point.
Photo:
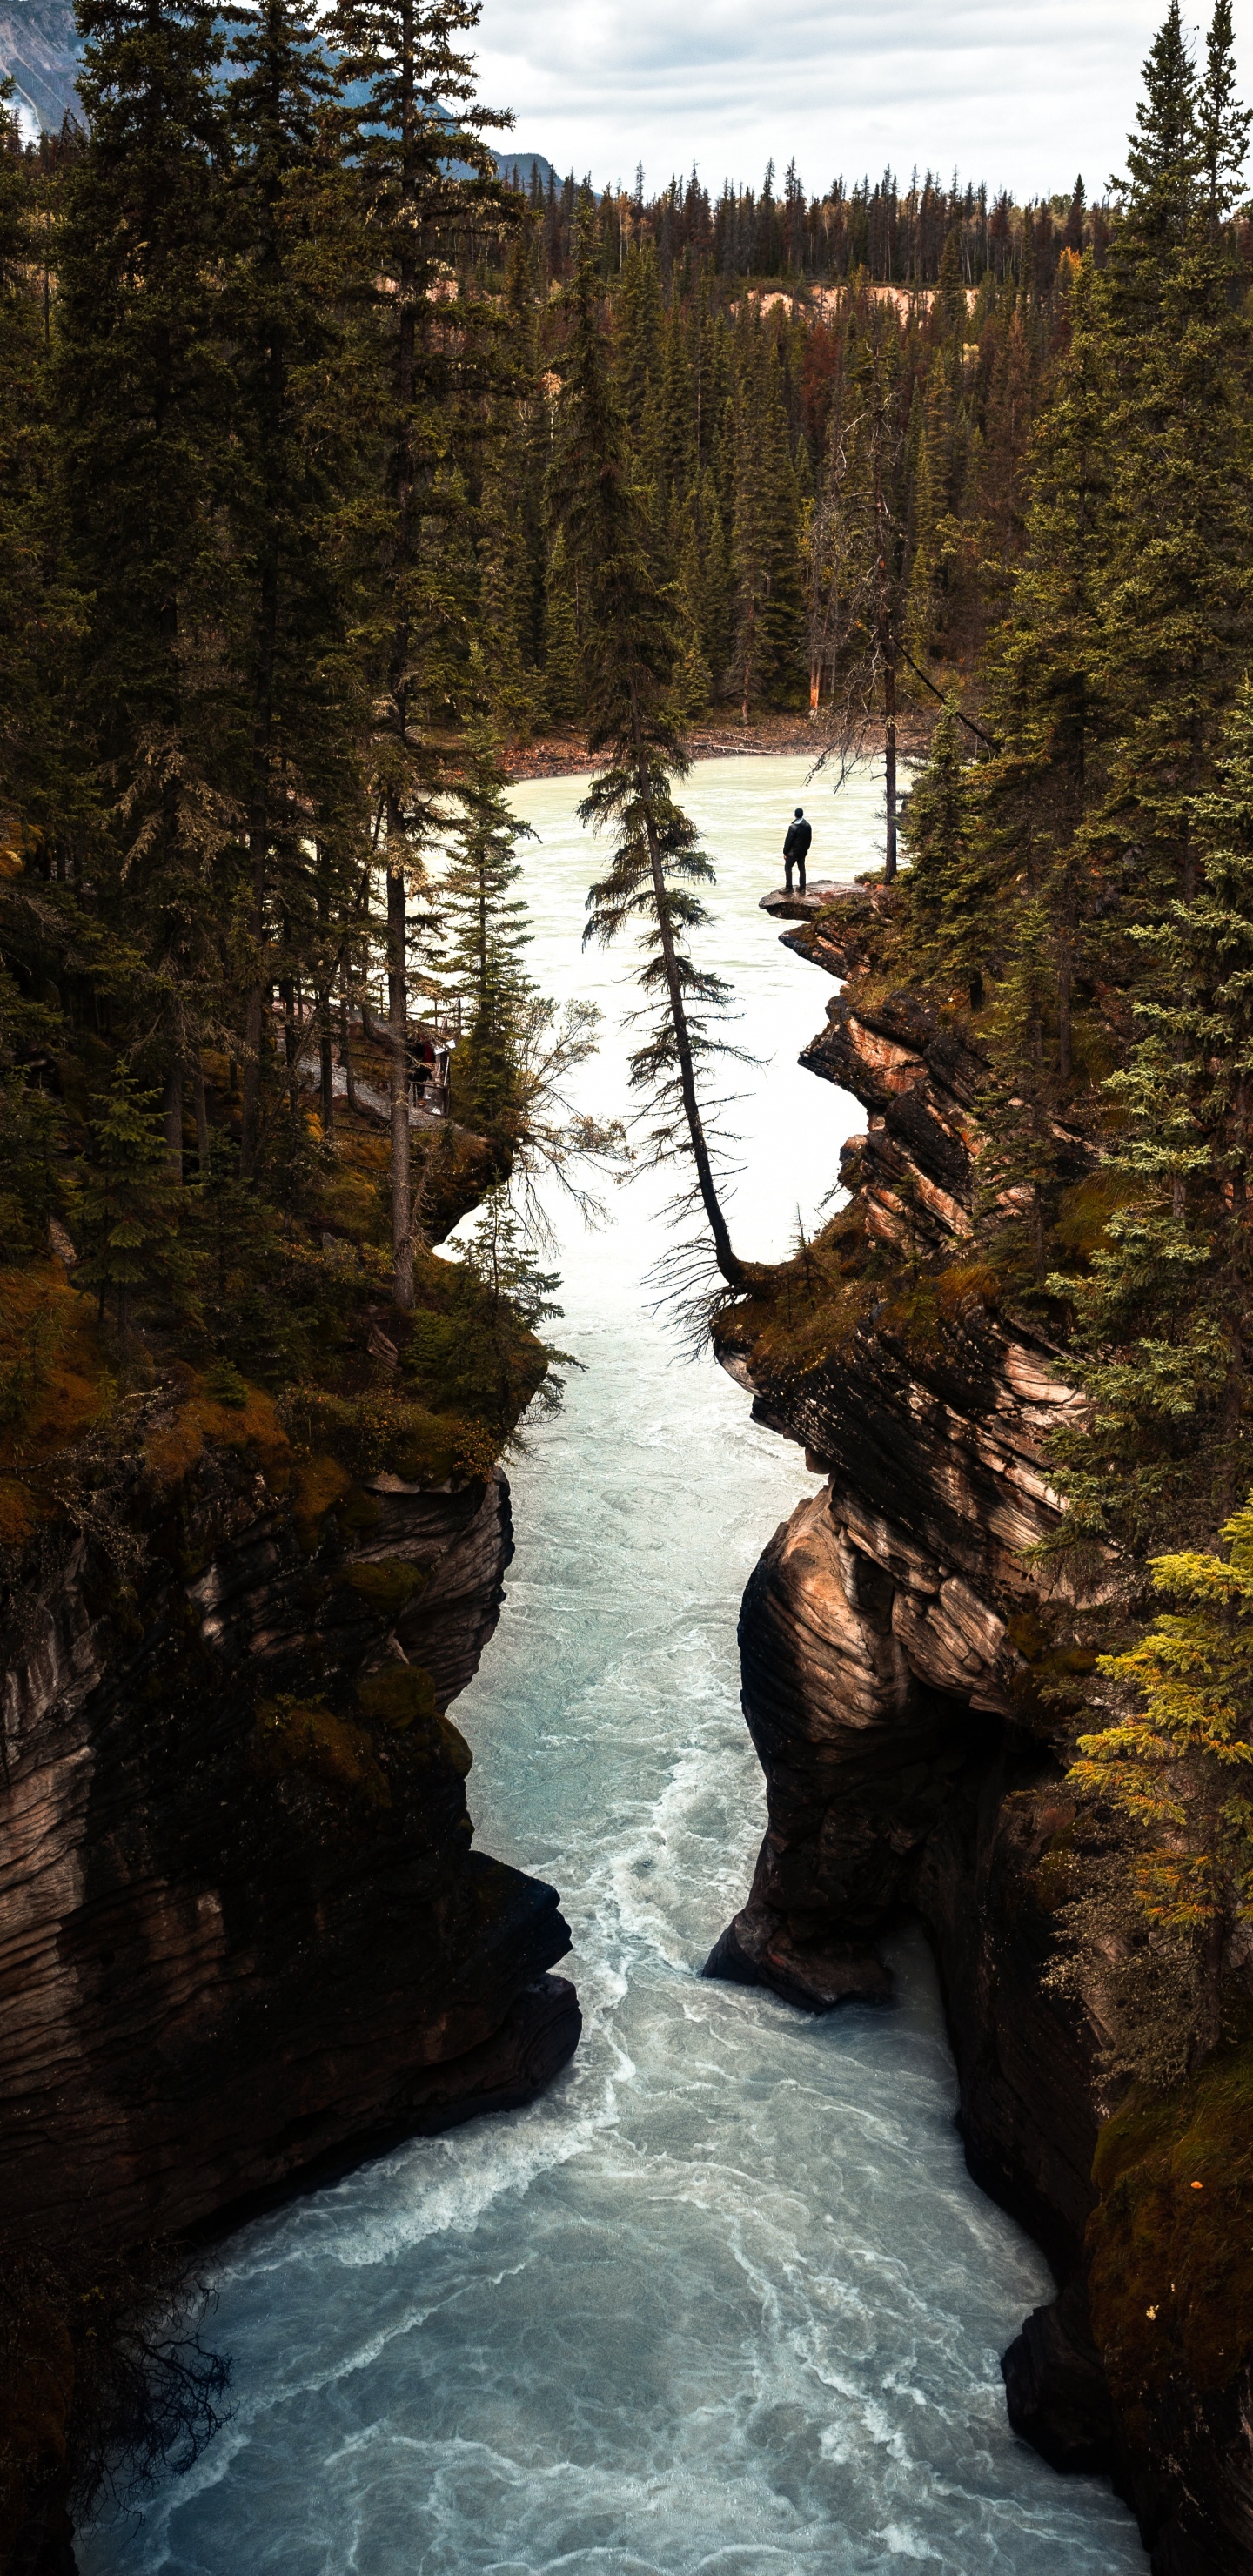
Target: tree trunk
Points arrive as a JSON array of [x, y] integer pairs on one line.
[[398, 1031], [202, 1122], [172, 1117], [291, 1047], [724, 1253], [254, 1004], [326, 1066], [345, 1056], [889, 767]]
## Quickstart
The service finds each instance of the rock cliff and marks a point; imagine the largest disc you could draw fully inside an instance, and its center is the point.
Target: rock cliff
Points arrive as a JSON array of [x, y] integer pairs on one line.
[[899, 1650], [243, 1933]]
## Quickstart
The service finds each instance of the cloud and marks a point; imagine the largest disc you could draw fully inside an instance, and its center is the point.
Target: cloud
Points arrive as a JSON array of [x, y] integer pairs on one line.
[[1022, 97]]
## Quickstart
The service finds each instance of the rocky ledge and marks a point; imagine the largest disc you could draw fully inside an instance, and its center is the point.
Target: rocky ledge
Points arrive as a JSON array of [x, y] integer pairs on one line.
[[898, 1649], [243, 1933]]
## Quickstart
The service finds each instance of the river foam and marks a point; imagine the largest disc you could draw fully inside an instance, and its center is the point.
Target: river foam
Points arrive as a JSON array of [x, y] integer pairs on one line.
[[725, 2302]]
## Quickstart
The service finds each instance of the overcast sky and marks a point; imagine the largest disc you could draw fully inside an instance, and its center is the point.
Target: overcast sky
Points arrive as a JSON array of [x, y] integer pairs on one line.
[[1022, 93]]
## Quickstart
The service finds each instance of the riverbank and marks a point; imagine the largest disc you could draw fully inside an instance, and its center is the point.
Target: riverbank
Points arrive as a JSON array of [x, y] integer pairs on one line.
[[719, 737]]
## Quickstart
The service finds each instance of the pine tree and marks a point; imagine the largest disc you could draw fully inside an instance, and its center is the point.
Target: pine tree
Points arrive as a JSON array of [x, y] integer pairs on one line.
[[637, 368], [1044, 706], [1163, 1320], [291, 221], [486, 927], [417, 128], [1176, 1771], [1179, 600], [127, 1212], [563, 675], [40, 795], [868, 561], [717, 580], [630, 652], [693, 679], [146, 413], [768, 653], [944, 886]]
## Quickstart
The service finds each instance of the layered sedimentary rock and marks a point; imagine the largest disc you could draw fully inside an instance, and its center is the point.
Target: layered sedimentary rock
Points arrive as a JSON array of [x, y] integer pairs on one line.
[[898, 1647], [242, 1927]]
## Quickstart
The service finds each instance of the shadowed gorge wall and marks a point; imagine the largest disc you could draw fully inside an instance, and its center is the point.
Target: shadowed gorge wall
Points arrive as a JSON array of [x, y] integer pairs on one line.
[[901, 1655]]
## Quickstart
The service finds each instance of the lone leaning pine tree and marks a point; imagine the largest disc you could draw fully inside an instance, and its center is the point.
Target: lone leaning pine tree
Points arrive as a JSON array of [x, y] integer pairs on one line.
[[631, 650]]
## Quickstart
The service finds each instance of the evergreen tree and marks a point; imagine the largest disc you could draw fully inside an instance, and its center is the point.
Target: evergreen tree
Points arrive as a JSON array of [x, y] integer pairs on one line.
[[693, 679], [41, 797], [1179, 606], [146, 412], [563, 673], [638, 345], [1177, 1769], [867, 555], [419, 126], [768, 649], [486, 929], [298, 376], [127, 1210]]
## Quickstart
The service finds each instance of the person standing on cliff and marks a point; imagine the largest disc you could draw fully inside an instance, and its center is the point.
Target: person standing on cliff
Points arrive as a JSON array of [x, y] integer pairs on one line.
[[796, 849]]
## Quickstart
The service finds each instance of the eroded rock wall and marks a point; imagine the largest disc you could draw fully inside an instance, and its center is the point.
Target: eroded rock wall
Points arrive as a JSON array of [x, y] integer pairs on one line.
[[242, 1925], [890, 1641]]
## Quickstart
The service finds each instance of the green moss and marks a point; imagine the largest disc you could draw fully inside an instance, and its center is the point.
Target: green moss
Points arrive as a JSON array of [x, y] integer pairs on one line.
[[387, 1584], [397, 1694], [1171, 2240], [294, 1735], [401, 1697]]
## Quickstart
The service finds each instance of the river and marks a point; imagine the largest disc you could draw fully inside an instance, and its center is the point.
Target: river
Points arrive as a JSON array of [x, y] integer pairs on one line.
[[725, 2302]]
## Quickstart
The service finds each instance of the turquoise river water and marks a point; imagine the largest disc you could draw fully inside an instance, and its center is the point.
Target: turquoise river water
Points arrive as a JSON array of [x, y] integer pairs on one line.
[[725, 2302]]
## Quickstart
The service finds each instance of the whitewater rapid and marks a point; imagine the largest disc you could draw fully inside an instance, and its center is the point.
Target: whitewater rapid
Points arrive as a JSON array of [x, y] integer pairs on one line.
[[725, 2302]]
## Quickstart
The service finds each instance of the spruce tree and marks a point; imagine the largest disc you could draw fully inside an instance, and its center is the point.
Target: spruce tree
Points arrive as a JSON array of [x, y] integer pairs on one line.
[[298, 368], [1179, 598], [127, 1210], [1177, 1770], [769, 648], [418, 128], [146, 411], [486, 928], [42, 791], [868, 548], [1163, 1317], [563, 670]]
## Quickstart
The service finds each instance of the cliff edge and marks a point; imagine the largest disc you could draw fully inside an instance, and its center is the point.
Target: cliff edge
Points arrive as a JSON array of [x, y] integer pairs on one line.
[[903, 1657], [244, 1935]]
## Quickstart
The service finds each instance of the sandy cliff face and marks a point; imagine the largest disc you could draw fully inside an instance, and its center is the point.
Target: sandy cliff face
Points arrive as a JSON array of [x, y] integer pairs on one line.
[[895, 1641]]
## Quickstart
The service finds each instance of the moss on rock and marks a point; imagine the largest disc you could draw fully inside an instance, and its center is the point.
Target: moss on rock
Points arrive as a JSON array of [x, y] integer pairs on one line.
[[296, 1735], [386, 1584]]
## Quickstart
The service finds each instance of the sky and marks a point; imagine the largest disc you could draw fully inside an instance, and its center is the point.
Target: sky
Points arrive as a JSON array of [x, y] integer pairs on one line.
[[1022, 93]]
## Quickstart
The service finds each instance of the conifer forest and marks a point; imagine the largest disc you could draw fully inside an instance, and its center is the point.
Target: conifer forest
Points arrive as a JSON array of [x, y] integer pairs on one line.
[[339, 477]]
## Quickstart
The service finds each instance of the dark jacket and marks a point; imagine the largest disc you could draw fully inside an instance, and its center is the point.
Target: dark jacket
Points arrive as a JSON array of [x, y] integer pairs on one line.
[[798, 839]]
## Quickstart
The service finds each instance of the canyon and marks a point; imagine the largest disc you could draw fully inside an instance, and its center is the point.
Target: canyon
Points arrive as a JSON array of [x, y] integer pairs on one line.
[[723, 2284]]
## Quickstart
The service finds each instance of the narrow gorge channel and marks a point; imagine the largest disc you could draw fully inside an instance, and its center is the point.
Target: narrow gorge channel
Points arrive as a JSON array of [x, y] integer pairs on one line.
[[725, 2298]]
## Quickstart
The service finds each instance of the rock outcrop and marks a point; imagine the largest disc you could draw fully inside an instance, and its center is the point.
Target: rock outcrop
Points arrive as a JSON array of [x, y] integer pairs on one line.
[[241, 1924], [243, 1933], [898, 1647]]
